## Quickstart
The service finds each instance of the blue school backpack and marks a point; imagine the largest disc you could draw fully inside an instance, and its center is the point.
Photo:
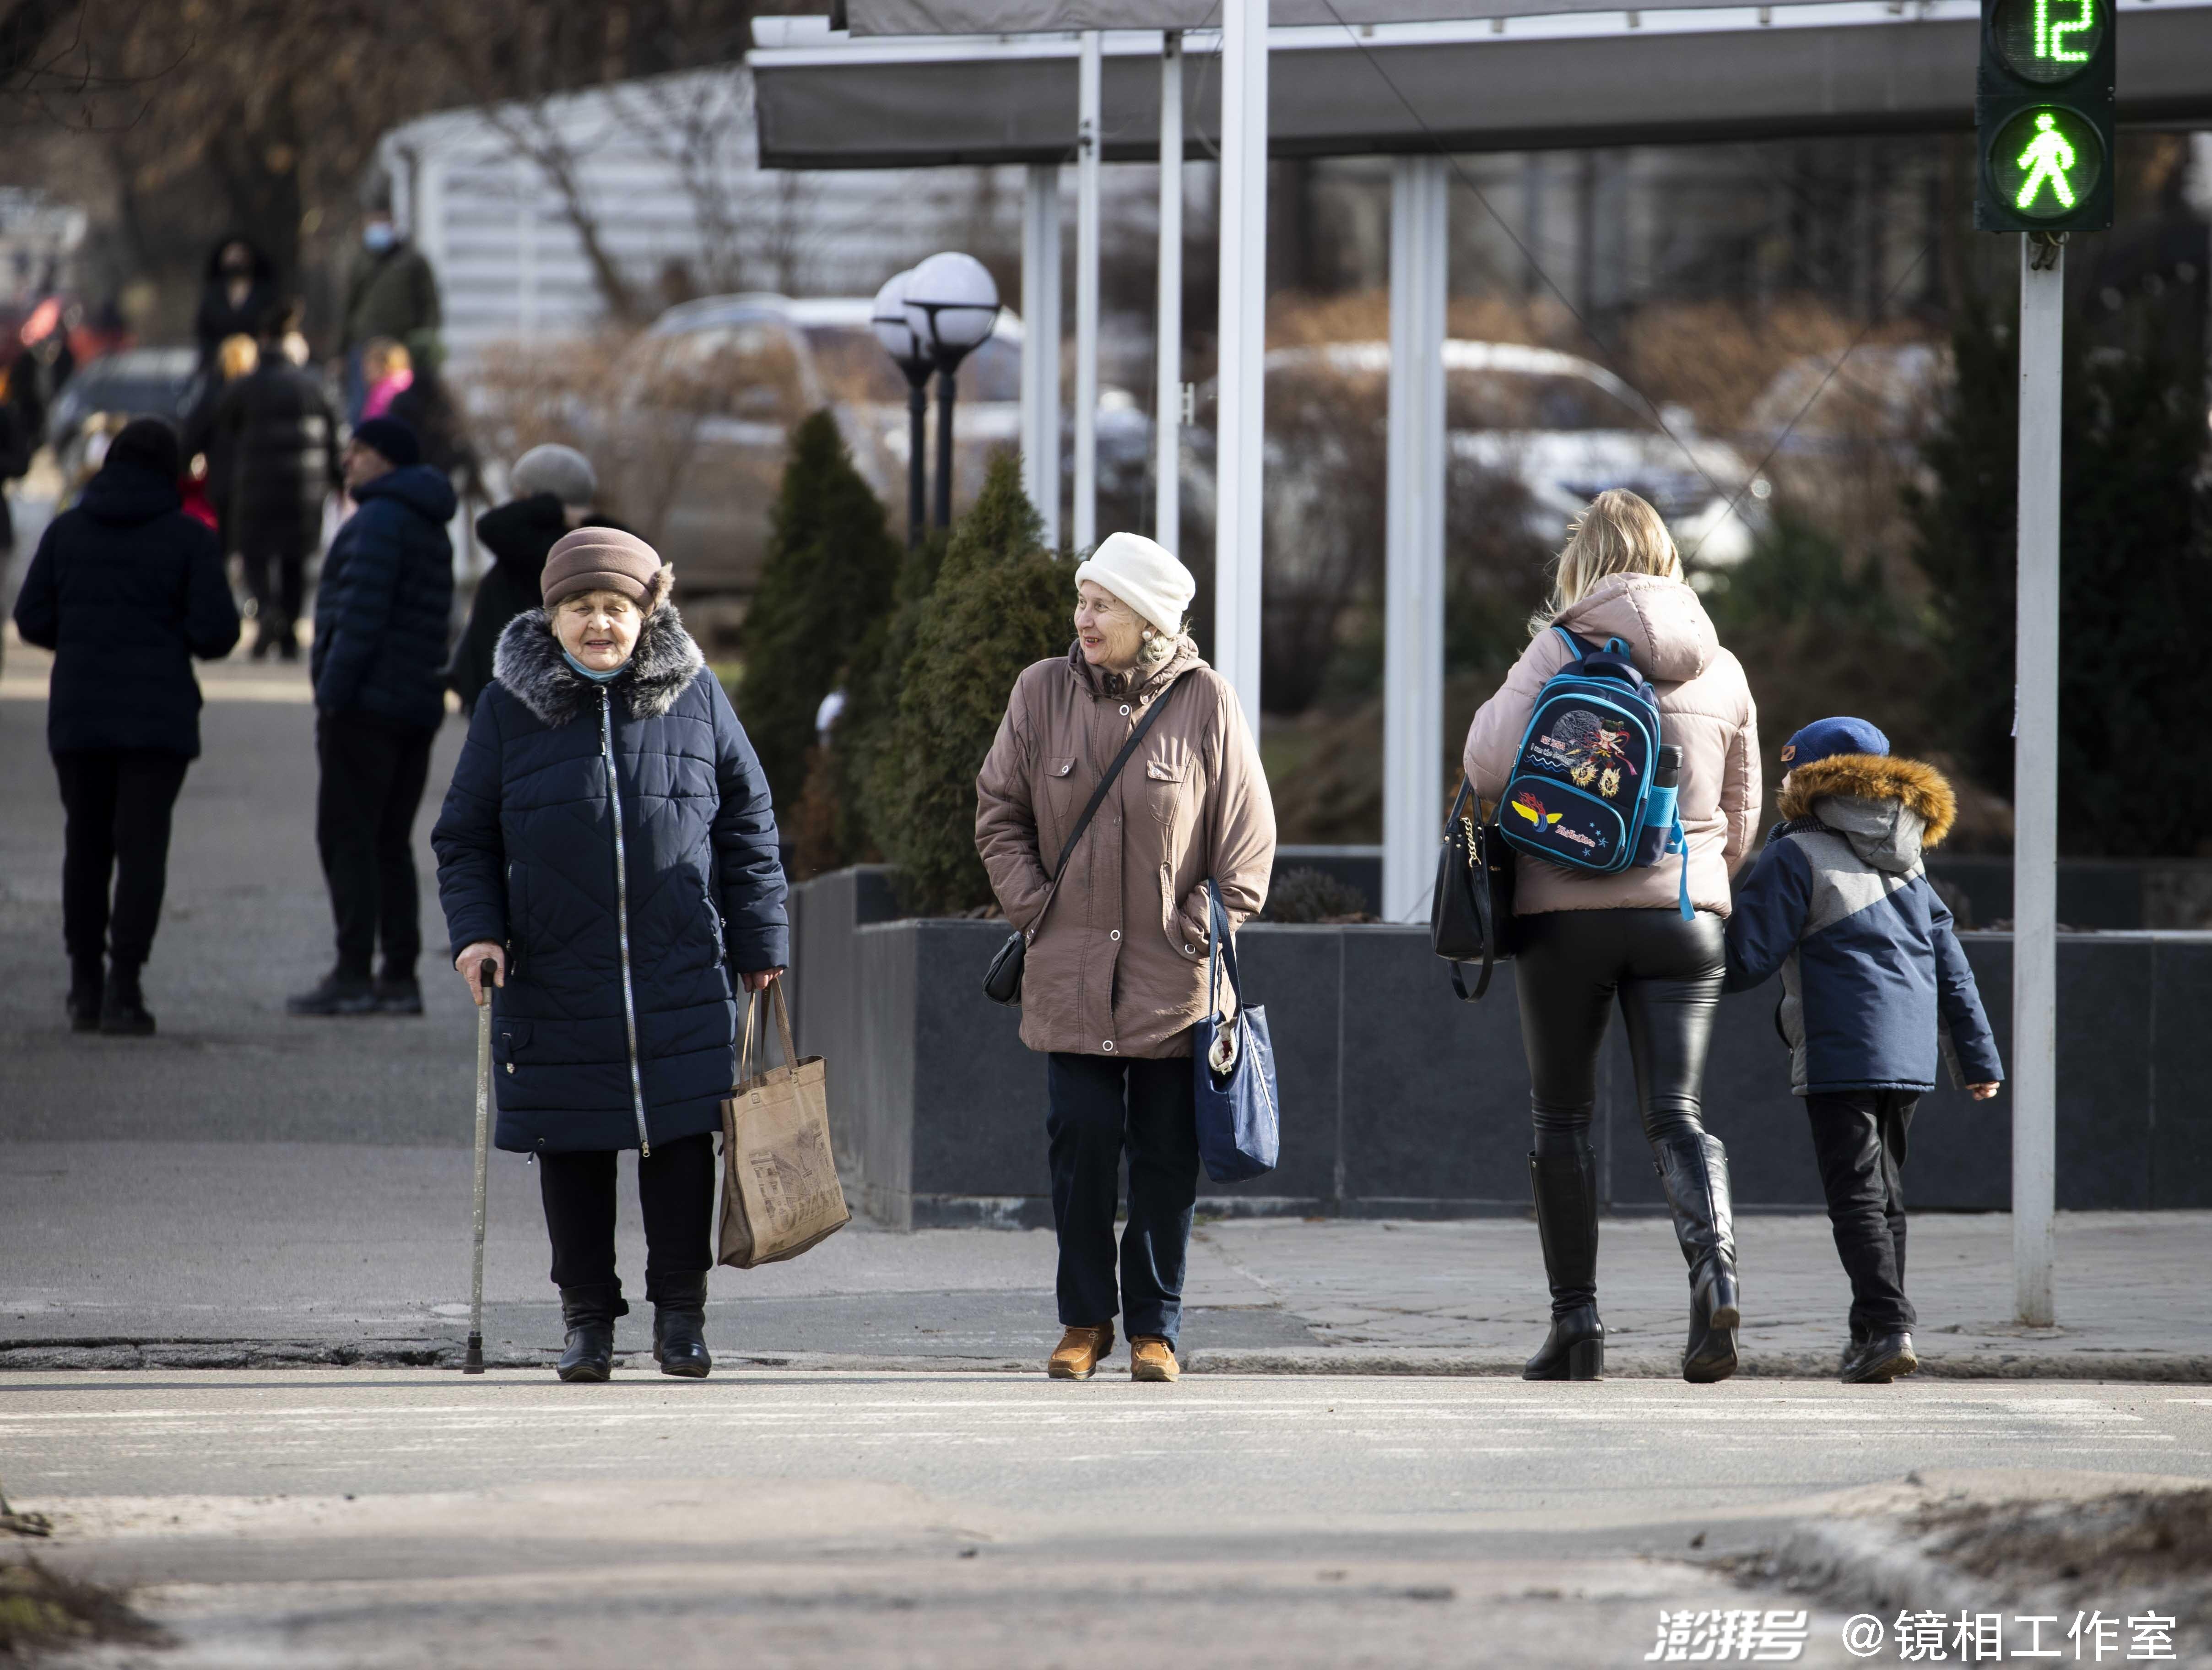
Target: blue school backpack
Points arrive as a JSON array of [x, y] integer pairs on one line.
[[1581, 793]]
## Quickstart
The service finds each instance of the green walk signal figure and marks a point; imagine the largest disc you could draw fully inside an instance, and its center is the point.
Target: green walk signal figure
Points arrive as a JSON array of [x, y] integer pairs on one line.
[[2048, 157]]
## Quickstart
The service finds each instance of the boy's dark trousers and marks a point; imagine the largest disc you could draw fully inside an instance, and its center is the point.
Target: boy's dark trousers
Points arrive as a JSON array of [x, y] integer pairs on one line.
[[1859, 1143]]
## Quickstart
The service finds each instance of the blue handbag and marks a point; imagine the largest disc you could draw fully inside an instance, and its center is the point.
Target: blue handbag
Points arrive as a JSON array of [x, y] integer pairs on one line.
[[1239, 1129]]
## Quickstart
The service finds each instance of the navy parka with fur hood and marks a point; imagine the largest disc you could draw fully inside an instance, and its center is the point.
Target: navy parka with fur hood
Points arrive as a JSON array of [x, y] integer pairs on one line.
[[1873, 977], [526, 849]]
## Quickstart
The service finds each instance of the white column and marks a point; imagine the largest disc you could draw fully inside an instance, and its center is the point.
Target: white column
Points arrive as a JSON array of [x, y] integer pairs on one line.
[[1413, 559], [2035, 790], [1041, 346], [1240, 411], [1086, 295], [1167, 434]]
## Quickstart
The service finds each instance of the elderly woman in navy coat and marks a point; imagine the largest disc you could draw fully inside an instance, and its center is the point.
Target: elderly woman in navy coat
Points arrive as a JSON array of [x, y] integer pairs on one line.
[[608, 847]]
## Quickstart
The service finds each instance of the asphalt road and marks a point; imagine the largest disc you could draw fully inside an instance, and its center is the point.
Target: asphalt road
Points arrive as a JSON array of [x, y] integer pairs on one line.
[[388, 1518]]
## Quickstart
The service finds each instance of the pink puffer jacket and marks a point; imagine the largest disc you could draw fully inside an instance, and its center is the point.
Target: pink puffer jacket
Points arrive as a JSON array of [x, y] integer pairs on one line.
[[1703, 704]]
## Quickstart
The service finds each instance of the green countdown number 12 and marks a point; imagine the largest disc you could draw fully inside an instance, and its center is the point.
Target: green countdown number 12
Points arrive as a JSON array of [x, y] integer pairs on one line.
[[2051, 36]]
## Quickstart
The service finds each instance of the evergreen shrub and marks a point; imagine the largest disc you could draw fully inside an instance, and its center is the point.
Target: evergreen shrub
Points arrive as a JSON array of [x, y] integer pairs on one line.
[[1000, 603]]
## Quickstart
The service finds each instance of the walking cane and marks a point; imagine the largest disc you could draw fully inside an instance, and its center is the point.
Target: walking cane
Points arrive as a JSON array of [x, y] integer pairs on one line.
[[474, 1363]]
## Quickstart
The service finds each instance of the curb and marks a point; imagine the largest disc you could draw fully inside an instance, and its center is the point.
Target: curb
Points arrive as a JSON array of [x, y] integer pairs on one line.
[[94, 1355]]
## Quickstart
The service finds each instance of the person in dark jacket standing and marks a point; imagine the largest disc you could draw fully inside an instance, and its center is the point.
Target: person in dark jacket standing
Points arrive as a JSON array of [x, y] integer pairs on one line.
[[277, 427], [391, 292], [609, 848], [240, 291], [1873, 979], [126, 589], [554, 487], [380, 615]]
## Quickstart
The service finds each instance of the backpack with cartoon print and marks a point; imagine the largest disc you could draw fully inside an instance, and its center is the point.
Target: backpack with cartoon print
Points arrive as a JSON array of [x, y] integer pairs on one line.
[[1581, 794]]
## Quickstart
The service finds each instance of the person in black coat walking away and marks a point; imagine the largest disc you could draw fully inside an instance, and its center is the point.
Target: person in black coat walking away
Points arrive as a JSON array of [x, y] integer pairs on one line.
[[608, 847], [554, 487], [126, 589], [380, 616], [276, 428], [240, 291]]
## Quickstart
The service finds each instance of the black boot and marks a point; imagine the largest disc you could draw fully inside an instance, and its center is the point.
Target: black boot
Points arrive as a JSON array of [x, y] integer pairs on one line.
[[87, 979], [589, 1314], [679, 1325], [123, 1011], [1565, 1188], [1694, 1171], [337, 993]]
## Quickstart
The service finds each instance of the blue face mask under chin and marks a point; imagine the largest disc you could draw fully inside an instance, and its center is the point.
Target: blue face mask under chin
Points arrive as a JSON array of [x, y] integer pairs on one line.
[[612, 672], [378, 236]]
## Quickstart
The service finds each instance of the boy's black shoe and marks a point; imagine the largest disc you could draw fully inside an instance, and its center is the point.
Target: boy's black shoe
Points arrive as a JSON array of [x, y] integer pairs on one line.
[[123, 1012], [87, 982], [403, 995], [1881, 1360], [336, 994]]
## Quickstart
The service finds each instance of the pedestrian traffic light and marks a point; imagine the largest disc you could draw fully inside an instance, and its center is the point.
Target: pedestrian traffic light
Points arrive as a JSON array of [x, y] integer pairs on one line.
[[2043, 116]]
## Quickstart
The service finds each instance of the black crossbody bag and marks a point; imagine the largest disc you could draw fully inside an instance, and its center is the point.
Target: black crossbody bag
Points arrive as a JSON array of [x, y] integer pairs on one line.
[[1002, 981]]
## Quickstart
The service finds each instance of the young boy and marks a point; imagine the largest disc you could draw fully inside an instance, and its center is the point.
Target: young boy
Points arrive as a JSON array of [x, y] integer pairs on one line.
[[1871, 974]]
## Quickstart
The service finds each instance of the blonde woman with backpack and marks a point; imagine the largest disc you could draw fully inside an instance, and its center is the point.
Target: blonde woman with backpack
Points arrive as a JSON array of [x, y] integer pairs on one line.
[[1587, 942]]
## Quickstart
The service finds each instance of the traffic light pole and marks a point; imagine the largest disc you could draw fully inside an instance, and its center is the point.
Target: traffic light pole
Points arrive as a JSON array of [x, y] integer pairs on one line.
[[2035, 781]]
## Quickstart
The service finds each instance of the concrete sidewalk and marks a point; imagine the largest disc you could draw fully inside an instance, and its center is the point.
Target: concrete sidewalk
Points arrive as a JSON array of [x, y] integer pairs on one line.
[[244, 1254]]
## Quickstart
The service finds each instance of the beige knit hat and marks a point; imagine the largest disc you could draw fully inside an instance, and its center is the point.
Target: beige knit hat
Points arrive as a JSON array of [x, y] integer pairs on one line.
[[601, 559]]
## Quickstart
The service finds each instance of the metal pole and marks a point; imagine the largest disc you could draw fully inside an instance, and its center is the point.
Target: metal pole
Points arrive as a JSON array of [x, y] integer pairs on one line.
[[917, 434], [1414, 592], [1167, 436], [945, 391], [1240, 414], [2035, 783], [1041, 347], [1086, 294]]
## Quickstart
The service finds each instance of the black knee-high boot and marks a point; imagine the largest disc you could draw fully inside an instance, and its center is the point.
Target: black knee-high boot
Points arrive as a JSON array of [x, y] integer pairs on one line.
[[1566, 1188], [1694, 1167]]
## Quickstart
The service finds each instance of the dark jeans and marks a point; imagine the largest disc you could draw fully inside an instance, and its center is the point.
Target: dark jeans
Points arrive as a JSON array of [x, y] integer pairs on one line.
[[1666, 974], [1859, 1142], [277, 577], [1098, 1107], [676, 1189], [372, 782], [116, 803]]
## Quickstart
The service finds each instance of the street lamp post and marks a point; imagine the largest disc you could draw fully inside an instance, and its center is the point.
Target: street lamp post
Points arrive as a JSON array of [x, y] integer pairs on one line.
[[888, 318], [952, 303]]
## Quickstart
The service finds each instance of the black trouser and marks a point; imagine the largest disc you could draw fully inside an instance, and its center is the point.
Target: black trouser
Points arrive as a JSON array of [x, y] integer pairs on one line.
[[118, 802], [675, 1188], [1100, 1106], [373, 775], [1859, 1140], [1666, 973], [277, 576]]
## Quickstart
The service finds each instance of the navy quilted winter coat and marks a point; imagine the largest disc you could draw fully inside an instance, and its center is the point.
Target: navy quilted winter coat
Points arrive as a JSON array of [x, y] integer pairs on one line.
[[526, 849], [383, 602]]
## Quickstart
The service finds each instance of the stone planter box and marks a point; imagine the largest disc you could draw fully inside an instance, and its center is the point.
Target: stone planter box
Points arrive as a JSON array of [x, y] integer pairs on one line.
[[1401, 1101]]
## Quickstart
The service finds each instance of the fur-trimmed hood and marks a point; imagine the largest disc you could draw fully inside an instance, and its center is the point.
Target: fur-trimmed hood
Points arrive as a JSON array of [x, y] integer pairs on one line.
[[529, 663], [1891, 810]]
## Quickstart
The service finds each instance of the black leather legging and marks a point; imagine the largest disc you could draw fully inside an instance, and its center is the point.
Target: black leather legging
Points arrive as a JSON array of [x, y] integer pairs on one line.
[[1666, 972]]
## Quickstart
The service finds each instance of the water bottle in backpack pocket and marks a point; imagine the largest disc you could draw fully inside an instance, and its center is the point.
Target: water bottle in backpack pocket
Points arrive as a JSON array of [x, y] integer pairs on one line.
[[1594, 788]]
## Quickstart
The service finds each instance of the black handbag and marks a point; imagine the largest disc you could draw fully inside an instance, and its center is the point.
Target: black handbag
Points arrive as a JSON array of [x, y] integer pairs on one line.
[[1002, 981], [1471, 912]]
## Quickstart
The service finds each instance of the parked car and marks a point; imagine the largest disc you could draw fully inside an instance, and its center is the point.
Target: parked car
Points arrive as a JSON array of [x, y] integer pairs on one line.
[[107, 392], [1566, 429], [1873, 400]]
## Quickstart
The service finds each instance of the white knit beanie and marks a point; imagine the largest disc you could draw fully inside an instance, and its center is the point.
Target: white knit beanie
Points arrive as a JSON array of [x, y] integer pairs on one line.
[[1144, 575]]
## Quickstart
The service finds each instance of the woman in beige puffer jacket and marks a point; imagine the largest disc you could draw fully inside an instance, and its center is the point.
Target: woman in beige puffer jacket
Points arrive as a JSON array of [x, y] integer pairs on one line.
[[1587, 940], [1116, 971]]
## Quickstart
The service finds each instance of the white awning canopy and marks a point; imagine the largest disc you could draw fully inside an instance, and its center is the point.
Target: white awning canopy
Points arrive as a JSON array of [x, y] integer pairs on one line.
[[1654, 75]]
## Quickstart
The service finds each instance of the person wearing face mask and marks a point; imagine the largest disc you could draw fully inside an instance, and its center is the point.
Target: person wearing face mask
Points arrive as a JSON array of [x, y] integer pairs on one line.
[[1116, 974], [381, 608], [392, 292], [240, 293], [609, 849]]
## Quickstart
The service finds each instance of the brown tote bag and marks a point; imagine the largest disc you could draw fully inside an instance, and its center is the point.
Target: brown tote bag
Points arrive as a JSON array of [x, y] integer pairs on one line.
[[780, 1188]]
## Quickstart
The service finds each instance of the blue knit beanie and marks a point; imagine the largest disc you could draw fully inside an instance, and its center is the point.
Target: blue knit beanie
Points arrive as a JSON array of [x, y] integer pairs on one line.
[[1825, 737]]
